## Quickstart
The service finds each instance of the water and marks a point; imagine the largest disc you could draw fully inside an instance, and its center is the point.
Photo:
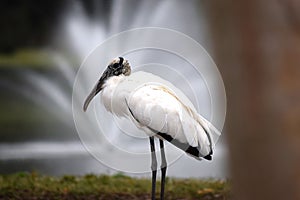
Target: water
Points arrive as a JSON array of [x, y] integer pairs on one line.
[[72, 158], [79, 33]]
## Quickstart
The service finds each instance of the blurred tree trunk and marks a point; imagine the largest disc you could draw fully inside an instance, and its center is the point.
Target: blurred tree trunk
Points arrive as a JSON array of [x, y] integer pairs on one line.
[[256, 46]]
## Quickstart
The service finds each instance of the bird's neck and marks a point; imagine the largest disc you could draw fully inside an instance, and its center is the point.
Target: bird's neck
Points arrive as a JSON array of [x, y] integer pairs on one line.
[[113, 81], [113, 97]]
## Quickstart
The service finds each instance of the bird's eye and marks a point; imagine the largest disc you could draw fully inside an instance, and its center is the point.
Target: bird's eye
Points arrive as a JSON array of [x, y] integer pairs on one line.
[[117, 72]]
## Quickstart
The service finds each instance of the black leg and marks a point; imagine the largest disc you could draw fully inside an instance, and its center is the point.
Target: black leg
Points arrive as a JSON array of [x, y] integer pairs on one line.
[[153, 166], [163, 169]]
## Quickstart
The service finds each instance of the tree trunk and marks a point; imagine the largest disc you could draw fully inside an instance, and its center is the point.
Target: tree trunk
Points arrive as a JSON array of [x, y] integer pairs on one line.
[[257, 49]]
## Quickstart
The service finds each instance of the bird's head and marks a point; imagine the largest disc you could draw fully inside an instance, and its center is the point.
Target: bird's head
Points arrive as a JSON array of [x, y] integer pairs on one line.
[[119, 66]]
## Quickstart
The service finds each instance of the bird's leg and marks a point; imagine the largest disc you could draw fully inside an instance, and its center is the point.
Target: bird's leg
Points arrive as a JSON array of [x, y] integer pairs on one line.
[[163, 169], [153, 166]]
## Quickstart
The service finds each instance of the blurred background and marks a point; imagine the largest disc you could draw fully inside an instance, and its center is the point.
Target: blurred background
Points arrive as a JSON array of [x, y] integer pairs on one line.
[[255, 44], [42, 46]]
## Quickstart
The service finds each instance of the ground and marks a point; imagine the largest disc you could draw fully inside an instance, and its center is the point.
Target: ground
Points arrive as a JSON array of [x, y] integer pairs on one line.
[[36, 186]]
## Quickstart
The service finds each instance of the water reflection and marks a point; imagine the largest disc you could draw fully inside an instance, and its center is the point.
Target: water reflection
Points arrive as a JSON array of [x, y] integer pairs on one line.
[[71, 158]]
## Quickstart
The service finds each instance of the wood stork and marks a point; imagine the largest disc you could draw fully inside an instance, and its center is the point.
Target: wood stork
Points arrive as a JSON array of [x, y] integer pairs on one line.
[[157, 107]]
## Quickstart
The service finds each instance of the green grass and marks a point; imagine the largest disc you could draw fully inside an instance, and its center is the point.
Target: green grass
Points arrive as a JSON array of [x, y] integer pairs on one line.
[[35, 186]]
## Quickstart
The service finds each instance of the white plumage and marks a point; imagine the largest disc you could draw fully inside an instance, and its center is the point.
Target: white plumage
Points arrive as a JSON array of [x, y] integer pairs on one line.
[[156, 106]]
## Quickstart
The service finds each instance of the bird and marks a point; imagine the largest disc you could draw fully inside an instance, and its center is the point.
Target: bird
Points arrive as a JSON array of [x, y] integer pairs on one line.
[[157, 107]]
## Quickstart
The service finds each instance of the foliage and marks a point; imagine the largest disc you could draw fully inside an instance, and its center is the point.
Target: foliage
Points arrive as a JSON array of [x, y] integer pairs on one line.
[[32, 58]]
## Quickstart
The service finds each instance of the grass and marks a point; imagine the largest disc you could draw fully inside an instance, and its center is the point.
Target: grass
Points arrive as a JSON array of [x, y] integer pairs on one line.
[[35, 186]]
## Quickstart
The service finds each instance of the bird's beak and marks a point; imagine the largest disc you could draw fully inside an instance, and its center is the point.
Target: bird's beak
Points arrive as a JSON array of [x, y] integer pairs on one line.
[[94, 92]]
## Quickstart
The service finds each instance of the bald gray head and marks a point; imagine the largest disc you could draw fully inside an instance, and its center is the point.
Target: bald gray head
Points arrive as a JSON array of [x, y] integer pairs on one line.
[[119, 66]]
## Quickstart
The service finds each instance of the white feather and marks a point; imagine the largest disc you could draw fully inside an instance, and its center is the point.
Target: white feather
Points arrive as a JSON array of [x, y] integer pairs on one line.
[[157, 106]]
